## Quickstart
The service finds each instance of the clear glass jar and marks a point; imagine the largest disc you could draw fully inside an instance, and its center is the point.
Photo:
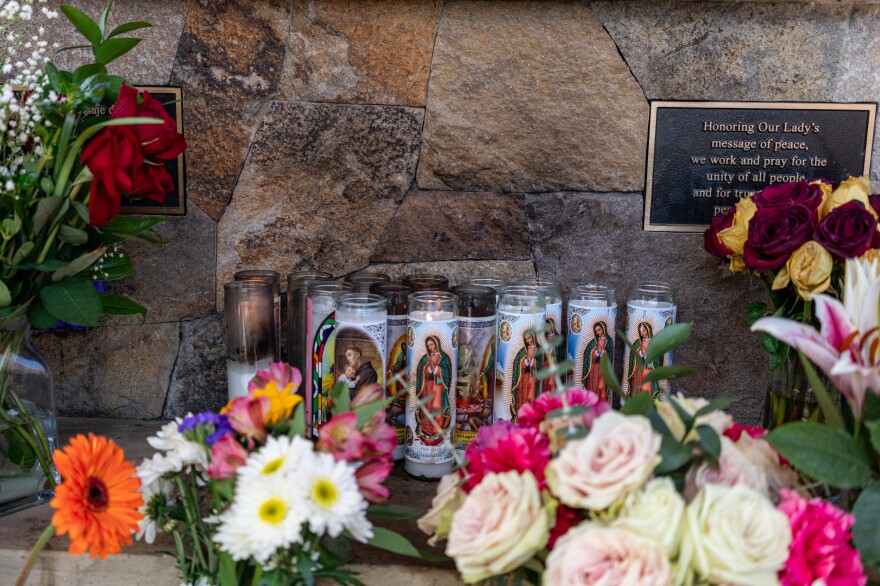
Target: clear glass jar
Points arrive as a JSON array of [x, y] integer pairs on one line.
[[650, 308], [591, 323], [363, 281], [432, 346], [274, 279], [298, 316], [553, 324], [320, 367], [521, 313], [361, 328], [427, 282], [250, 332]]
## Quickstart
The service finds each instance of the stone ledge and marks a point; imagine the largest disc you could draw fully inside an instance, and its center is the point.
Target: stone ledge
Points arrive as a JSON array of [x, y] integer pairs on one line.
[[152, 565]]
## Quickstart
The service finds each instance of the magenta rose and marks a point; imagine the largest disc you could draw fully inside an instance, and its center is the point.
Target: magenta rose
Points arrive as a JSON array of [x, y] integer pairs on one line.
[[504, 449], [710, 237], [874, 200], [775, 233], [783, 194], [848, 231]]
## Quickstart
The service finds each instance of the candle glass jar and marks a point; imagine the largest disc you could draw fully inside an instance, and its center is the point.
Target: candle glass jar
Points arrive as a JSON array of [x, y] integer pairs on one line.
[[250, 332], [427, 282], [298, 316], [432, 358], [475, 384], [363, 281], [553, 324], [397, 294], [521, 313], [592, 313], [274, 279], [650, 308]]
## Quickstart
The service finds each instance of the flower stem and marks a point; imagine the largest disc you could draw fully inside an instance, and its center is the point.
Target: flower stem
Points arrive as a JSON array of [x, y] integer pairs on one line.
[[39, 546]]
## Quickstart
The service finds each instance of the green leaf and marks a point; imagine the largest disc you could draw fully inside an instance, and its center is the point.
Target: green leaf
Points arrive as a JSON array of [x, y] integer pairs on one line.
[[341, 398], [873, 428], [390, 511], [638, 405], [673, 455], [826, 403], [396, 543], [46, 208], [72, 235], [298, 421], [78, 264], [128, 27], [85, 25], [668, 339], [73, 300], [606, 369], [47, 185], [22, 253], [713, 405], [228, 576], [56, 80], [39, 317], [570, 411], [823, 453], [366, 412], [779, 357], [20, 452], [89, 70], [5, 295], [769, 343], [112, 267], [669, 372], [866, 510], [687, 419], [102, 22], [118, 305], [114, 48], [756, 310], [709, 441], [82, 210], [338, 547]]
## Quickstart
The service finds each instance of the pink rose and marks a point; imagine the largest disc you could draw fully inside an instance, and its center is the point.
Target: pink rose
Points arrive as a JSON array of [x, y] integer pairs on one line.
[[594, 554], [438, 520], [759, 452], [733, 468], [227, 455], [504, 448], [617, 456], [820, 549]]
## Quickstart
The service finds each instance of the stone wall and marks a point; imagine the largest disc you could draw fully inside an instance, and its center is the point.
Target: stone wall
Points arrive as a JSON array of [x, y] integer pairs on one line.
[[459, 137]]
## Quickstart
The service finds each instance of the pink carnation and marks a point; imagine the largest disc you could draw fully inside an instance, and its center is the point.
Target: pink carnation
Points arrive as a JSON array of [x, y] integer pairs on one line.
[[735, 431], [820, 544], [535, 413], [566, 518], [503, 447]]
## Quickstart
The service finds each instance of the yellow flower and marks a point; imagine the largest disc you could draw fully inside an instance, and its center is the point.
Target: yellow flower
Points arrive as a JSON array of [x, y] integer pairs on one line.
[[809, 269], [853, 189], [735, 237], [281, 402], [738, 265], [826, 191]]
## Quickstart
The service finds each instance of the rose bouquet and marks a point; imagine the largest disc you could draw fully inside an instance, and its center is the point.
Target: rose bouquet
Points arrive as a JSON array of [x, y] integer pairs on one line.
[[660, 493], [63, 172], [796, 237]]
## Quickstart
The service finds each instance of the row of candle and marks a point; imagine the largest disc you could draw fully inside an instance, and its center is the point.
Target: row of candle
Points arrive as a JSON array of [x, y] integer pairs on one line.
[[454, 360]]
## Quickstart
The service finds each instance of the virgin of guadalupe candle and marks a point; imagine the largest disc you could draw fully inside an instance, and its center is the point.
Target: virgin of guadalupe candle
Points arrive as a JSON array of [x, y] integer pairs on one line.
[[298, 346], [397, 294], [650, 308], [320, 370], [475, 385], [359, 351], [592, 312], [553, 324], [426, 282], [274, 279], [521, 312], [250, 332], [362, 282], [432, 357]]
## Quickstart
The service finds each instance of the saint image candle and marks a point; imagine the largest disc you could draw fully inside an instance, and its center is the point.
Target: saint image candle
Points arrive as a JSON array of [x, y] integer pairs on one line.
[[298, 346], [521, 312], [592, 313], [250, 332], [274, 279], [650, 308], [363, 281], [432, 359], [360, 347], [320, 372], [475, 384], [427, 282], [397, 294], [553, 323]]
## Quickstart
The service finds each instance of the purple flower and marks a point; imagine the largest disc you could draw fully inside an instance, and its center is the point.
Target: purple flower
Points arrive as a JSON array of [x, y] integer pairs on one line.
[[219, 422], [848, 231]]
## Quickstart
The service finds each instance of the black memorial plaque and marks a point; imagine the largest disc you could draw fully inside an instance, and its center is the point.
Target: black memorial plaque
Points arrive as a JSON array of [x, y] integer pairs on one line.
[[704, 156]]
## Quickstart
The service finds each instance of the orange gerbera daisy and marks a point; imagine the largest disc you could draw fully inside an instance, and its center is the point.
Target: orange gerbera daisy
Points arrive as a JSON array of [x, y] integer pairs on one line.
[[98, 499]]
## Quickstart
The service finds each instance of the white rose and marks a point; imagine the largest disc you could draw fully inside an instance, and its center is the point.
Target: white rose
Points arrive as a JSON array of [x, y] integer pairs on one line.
[[654, 512], [717, 420], [765, 457], [733, 468], [594, 554], [733, 535], [502, 524], [448, 499], [616, 457]]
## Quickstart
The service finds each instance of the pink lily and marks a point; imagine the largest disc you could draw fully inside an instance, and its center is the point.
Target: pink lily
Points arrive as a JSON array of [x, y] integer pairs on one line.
[[281, 373], [847, 347], [370, 477], [341, 438], [246, 416], [226, 456]]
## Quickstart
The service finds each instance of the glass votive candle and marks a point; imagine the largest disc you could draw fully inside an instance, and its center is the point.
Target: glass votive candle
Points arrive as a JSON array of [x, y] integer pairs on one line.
[[521, 313], [592, 313], [250, 332], [650, 308], [274, 279], [475, 384], [553, 324], [496, 283], [432, 358], [363, 281], [427, 282], [397, 295], [298, 317]]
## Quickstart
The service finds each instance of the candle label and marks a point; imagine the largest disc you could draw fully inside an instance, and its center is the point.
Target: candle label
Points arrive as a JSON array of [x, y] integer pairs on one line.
[[322, 369], [591, 336], [359, 358], [519, 358], [552, 327], [432, 357], [395, 375], [475, 388], [642, 324]]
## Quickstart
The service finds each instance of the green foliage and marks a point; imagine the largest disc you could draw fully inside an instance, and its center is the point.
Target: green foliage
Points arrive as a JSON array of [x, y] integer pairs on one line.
[[396, 543], [866, 537], [75, 301], [105, 47], [391, 511]]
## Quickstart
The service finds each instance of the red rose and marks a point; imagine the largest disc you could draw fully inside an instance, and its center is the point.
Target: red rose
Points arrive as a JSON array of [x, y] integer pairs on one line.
[[710, 237], [848, 231], [159, 141], [874, 200], [783, 194], [151, 182], [775, 233], [113, 156]]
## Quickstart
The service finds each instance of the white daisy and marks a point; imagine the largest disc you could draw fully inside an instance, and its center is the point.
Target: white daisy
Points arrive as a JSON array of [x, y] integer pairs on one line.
[[266, 515], [152, 469], [180, 451], [160, 488], [332, 499], [280, 456]]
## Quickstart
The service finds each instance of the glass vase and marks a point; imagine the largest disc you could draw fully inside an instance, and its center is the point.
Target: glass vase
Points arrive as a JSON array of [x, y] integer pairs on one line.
[[28, 429], [789, 396]]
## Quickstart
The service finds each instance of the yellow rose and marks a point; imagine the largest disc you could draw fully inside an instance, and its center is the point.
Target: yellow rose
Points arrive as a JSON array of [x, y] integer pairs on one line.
[[735, 237], [809, 269], [826, 191], [738, 265], [853, 189]]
